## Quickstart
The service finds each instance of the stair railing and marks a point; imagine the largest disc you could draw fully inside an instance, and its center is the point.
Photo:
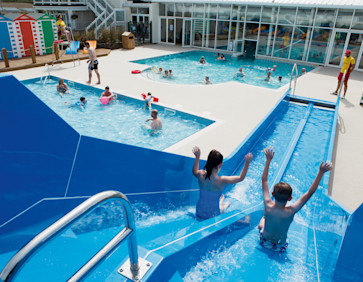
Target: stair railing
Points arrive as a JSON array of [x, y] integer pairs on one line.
[[129, 232]]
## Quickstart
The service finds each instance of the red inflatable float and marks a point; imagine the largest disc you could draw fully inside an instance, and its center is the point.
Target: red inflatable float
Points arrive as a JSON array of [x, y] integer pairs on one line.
[[136, 71], [154, 98]]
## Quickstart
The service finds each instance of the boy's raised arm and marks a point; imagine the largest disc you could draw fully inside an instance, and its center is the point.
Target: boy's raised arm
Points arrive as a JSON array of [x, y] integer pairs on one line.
[[324, 167], [269, 153]]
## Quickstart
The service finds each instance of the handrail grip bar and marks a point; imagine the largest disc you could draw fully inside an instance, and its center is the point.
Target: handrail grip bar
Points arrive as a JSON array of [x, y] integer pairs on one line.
[[17, 261], [294, 68]]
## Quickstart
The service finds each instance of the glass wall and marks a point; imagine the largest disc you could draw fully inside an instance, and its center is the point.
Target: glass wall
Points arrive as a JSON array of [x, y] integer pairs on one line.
[[296, 33]]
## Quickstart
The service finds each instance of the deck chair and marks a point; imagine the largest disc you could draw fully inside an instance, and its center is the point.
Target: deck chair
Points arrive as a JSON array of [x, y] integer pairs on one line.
[[73, 48]]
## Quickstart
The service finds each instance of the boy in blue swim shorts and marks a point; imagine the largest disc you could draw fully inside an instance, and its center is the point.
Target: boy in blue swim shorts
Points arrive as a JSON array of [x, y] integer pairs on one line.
[[277, 218]]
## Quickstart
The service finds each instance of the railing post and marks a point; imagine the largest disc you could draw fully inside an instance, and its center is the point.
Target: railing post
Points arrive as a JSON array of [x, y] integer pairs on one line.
[[32, 53], [6, 59]]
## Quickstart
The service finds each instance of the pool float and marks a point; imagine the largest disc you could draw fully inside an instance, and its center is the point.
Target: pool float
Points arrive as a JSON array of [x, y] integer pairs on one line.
[[104, 100], [135, 71], [154, 70], [154, 98]]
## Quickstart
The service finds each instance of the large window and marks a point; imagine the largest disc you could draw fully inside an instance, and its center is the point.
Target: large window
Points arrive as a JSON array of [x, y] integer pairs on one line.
[[198, 32], [188, 10], [199, 11], [269, 14], [222, 35], [300, 43], [319, 42], [210, 33], [325, 17], [170, 9], [253, 14], [305, 16], [358, 20], [251, 31], [212, 12], [266, 39], [178, 10], [287, 16], [224, 12], [344, 18], [282, 41]]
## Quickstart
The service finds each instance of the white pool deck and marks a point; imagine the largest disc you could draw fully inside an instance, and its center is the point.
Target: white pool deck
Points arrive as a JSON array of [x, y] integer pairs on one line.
[[237, 108]]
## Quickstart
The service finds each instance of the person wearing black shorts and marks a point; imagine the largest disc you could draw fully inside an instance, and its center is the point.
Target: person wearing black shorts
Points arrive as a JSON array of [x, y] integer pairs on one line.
[[93, 63]]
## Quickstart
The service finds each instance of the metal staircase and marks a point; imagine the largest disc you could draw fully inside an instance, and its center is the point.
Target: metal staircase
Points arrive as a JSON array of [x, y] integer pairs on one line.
[[105, 15]]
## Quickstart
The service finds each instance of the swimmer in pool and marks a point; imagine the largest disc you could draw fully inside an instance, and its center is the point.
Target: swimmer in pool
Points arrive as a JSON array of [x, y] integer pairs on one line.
[[268, 77], [211, 185], [274, 68], [277, 218], [160, 71], [280, 78], [207, 81], [166, 74], [147, 101], [156, 123], [221, 57], [107, 93], [62, 88], [240, 73], [81, 103], [303, 71], [202, 60], [171, 73]]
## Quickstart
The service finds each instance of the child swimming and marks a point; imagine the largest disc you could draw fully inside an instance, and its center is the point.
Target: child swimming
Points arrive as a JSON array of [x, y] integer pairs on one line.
[[277, 218], [62, 88], [211, 185]]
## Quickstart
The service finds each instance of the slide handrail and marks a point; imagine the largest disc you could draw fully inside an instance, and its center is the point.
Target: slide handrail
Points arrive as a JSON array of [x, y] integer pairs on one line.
[[18, 260], [294, 68]]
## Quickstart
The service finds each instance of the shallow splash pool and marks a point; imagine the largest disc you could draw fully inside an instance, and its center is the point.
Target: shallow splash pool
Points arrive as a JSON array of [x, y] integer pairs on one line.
[[187, 70], [120, 121]]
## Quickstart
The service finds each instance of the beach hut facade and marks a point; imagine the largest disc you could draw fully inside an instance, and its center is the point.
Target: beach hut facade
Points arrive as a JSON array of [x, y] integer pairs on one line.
[[30, 34], [48, 32], [10, 38]]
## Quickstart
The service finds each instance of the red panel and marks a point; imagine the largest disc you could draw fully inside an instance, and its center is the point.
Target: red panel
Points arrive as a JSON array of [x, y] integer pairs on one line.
[[27, 33]]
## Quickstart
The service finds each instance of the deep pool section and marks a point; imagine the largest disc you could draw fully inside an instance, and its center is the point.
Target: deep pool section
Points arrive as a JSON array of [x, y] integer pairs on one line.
[[121, 121], [187, 70]]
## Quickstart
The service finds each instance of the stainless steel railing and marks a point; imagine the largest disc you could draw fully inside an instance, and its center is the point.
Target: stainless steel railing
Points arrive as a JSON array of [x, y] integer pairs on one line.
[[129, 232], [294, 68]]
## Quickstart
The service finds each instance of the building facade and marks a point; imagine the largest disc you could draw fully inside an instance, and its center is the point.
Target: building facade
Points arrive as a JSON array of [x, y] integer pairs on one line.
[[302, 33]]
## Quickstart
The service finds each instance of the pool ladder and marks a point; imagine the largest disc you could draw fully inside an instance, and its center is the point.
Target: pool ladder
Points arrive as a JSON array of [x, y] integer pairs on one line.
[[134, 268], [46, 69], [293, 77]]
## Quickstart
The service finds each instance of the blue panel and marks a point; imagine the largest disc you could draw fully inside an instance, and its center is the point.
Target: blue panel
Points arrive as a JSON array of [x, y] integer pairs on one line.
[[350, 261], [104, 165], [5, 39], [36, 150]]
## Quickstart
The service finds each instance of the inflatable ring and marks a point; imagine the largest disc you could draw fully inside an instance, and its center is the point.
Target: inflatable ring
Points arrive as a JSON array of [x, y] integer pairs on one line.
[[136, 71]]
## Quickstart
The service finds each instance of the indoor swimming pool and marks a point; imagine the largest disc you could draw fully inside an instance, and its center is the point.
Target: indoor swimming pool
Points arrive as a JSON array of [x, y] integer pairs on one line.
[[186, 69]]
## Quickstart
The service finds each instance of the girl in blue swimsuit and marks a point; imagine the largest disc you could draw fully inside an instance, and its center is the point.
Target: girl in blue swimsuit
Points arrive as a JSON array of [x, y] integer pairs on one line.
[[211, 185]]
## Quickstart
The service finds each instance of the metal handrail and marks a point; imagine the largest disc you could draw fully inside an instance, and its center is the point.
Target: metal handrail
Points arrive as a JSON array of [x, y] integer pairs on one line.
[[294, 68], [129, 232]]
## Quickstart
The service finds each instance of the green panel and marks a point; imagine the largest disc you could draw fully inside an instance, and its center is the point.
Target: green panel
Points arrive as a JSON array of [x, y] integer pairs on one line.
[[48, 35]]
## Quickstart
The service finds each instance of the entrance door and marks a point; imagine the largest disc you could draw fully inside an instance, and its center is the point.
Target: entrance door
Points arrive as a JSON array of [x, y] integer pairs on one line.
[[337, 48], [355, 45], [187, 31]]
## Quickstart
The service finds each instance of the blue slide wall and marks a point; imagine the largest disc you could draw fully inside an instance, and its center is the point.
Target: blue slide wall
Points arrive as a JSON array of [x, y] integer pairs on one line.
[[350, 261]]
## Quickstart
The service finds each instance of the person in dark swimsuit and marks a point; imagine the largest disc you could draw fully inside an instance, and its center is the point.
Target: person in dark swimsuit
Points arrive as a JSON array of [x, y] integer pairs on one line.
[[211, 185]]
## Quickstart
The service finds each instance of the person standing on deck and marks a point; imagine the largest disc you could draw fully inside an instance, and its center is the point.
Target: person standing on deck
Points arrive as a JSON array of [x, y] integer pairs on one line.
[[93, 63], [348, 66]]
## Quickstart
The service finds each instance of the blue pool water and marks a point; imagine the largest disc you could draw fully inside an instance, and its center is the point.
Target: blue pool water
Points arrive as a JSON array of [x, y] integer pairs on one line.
[[122, 121], [187, 70], [230, 255]]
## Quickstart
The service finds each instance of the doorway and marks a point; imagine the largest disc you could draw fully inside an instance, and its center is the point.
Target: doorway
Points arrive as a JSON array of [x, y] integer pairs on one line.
[[179, 32], [187, 28]]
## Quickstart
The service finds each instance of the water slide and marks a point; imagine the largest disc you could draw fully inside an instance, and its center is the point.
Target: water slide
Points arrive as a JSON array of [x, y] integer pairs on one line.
[[181, 247]]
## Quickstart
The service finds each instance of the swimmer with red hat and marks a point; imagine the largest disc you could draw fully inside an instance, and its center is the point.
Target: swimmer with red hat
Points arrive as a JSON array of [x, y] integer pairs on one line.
[[348, 66]]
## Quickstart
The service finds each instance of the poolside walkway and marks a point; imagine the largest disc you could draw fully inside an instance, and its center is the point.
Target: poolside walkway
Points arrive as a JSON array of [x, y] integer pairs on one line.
[[236, 108]]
